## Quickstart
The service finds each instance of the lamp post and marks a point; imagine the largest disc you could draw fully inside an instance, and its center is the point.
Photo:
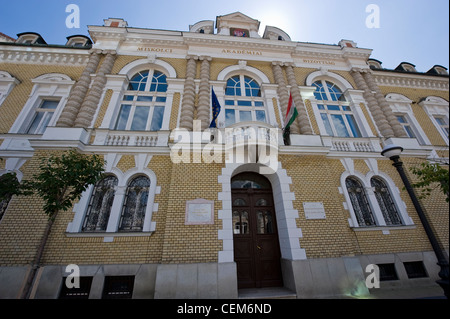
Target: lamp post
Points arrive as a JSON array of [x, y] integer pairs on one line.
[[393, 153]]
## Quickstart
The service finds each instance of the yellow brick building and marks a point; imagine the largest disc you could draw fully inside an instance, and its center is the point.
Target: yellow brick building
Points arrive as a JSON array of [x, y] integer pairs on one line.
[[189, 210]]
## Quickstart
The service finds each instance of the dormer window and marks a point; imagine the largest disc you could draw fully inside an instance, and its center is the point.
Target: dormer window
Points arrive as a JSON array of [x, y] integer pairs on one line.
[[30, 38], [374, 64], [78, 41], [406, 67], [438, 69]]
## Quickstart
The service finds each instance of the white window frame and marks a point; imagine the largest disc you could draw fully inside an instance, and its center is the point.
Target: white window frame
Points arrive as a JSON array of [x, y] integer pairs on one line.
[[7, 84], [437, 107], [353, 96], [74, 228], [48, 86], [244, 98], [401, 105], [371, 197], [268, 91], [342, 112], [119, 85]]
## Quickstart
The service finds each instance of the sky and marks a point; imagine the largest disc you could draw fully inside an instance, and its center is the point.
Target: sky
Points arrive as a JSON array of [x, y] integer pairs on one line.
[[414, 31]]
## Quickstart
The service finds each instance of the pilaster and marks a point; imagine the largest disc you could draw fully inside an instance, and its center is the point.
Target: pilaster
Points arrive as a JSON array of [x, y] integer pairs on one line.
[[89, 106]]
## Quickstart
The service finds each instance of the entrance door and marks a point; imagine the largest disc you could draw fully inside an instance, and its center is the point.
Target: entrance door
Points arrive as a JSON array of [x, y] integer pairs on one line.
[[256, 246]]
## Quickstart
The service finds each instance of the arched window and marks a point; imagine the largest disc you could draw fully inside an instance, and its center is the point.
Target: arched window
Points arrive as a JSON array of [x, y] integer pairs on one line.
[[143, 103], [335, 111], [385, 201], [360, 204], [133, 210], [100, 204], [243, 101]]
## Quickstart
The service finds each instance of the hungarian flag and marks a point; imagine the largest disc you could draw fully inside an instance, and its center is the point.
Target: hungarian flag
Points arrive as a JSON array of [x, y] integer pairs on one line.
[[291, 114]]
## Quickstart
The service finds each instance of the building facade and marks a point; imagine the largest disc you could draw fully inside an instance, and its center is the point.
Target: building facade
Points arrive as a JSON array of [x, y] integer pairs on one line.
[[190, 211]]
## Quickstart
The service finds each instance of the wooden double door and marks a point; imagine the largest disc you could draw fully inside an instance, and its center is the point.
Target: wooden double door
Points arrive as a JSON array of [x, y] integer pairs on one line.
[[256, 245]]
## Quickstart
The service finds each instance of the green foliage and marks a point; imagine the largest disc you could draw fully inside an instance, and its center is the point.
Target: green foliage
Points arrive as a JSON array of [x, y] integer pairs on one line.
[[431, 175], [62, 179], [9, 186]]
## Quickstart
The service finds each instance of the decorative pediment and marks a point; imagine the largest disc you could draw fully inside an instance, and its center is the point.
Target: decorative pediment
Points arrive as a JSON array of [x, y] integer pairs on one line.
[[237, 24]]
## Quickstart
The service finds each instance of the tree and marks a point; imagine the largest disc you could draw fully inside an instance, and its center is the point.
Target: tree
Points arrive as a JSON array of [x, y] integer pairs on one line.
[[431, 175], [59, 182]]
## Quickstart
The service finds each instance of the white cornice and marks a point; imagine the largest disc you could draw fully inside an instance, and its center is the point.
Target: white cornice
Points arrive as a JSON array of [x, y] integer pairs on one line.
[[414, 80], [43, 55]]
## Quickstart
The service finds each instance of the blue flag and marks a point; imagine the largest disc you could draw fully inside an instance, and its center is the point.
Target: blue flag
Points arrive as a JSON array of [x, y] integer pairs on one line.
[[215, 109]]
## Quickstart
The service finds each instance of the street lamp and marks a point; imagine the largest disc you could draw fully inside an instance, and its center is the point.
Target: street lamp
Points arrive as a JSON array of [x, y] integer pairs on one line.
[[393, 152]]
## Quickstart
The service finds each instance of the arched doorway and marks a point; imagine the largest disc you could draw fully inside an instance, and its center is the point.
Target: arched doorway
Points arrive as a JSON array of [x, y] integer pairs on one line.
[[255, 234]]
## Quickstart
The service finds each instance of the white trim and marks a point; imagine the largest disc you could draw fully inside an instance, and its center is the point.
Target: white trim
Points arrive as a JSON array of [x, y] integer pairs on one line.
[[401, 105], [366, 183], [342, 83], [7, 84], [142, 64], [288, 232], [437, 106], [46, 86], [80, 208]]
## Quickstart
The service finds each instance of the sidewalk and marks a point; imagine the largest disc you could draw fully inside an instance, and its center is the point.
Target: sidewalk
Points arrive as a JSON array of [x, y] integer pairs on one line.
[[426, 292]]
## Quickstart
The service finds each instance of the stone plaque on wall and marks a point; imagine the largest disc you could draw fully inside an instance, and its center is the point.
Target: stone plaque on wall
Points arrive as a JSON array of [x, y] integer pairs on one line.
[[314, 210], [199, 212]]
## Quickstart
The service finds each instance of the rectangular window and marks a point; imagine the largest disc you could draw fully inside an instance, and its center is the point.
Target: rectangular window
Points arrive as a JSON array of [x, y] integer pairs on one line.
[[387, 272], [140, 118], [415, 269], [118, 287], [42, 117], [123, 117], [353, 126], [443, 124], [230, 117], [327, 124], [406, 126], [245, 116], [76, 293], [157, 119], [339, 125]]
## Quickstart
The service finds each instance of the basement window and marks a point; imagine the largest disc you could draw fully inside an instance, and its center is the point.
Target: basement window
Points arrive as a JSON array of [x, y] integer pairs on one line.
[[415, 269], [76, 293], [118, 287], [387, 272]]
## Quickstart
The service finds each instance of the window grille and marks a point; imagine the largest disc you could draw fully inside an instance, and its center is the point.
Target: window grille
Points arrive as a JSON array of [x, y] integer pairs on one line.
[[385, 201], [359, 201], [387, 272], [76, 293], [100, 204], [133, 211], [415, 269], [118, 287]]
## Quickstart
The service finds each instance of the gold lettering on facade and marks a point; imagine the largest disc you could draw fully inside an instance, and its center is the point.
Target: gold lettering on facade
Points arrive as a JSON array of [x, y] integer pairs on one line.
[[319, 62], [249, 52], [159, 50]]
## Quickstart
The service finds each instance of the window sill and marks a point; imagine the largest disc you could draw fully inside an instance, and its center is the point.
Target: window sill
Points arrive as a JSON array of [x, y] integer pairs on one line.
[[109, 237], [384, 229]]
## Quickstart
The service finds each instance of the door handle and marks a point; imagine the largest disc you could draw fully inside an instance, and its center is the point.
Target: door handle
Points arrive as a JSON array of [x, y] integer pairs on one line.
[[258, 247]]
